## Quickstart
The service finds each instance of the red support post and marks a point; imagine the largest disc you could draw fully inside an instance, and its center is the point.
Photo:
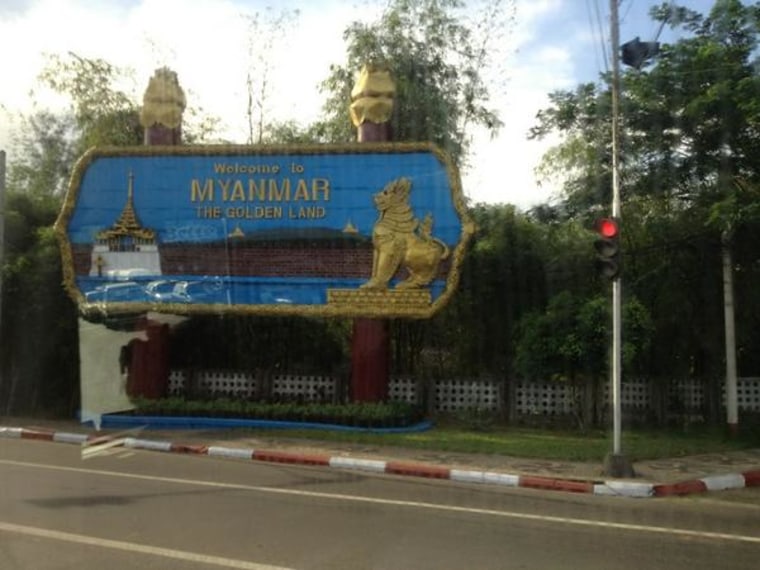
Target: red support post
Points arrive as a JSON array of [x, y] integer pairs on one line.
[[371, 107], [161, 117]]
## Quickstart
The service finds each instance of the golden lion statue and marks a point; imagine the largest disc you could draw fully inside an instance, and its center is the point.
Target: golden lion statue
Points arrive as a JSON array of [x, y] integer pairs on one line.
[[400, 240]]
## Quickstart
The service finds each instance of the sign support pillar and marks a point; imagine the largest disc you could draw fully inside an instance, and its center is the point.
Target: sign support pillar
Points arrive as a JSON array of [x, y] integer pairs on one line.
[[371, 107], [161, 117]]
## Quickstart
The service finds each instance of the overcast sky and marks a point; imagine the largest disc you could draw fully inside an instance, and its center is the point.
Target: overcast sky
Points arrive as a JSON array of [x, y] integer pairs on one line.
[[554, 44]]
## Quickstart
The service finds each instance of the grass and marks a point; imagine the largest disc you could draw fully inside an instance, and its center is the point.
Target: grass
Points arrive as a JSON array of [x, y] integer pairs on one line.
[[537, 443]]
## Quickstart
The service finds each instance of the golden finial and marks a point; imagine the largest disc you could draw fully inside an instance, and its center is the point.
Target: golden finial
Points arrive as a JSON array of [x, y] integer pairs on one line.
[[372, 96], [164, 100]]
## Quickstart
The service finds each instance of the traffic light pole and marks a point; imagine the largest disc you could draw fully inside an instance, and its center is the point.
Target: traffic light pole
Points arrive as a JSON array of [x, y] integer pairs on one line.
[[616, 285], [616, 464]]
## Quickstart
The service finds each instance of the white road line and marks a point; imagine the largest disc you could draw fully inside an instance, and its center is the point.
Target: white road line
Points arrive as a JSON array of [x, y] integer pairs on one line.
[[398, 503], [133, 547]]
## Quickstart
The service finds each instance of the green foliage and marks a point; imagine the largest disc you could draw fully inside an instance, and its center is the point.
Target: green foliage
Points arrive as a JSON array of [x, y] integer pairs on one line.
[[638, 330], [436, 60], [39, 354], [502, 278], [476, 419], [562, 341], [560, 445], [290, 132], [378, 415], [739, 206], [45, 155], [689, 150], [582, 162], [571, 338], [104, 114], [688, 122]]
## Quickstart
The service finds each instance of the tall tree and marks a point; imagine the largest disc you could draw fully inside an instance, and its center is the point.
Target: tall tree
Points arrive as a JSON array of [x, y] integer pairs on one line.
[[103, 113], [45, 153], [39, 349], [436, 59], [39, 353], [689, 132], [689, 124]]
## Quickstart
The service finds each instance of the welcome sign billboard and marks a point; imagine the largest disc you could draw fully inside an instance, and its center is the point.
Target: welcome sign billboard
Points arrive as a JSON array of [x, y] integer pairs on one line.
[[357, 230]]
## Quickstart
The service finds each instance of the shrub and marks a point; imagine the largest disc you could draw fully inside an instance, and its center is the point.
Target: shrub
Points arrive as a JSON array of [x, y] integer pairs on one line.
[[382, 414]]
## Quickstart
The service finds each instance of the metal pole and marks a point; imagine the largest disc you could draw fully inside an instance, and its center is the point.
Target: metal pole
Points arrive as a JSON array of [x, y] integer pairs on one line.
[[616, 289], [618, 466]]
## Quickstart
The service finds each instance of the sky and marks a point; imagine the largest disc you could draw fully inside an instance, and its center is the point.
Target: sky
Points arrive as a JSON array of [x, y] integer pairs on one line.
[[552, 45]]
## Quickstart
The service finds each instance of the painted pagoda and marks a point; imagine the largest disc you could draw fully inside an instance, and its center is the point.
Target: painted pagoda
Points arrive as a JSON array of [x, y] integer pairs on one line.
[[126, 248]]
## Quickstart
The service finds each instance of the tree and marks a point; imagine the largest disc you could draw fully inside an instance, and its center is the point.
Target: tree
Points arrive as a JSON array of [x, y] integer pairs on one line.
[[103, 114], [45, 154], [569, 340], [40, 349], [691, 121], [503, 276], [689, 124], [583, 160], [39, 353], [689, 131], [739, 206], [436, 61]]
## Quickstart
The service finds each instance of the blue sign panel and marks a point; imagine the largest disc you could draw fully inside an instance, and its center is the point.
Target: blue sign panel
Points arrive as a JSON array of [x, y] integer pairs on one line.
[[359, 230]]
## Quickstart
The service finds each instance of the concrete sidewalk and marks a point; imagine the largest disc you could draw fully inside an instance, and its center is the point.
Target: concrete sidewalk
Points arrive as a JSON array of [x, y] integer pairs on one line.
[[662, 477]]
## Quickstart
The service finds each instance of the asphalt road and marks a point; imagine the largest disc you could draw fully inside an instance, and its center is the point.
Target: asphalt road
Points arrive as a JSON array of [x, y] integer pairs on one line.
[[142, 509]]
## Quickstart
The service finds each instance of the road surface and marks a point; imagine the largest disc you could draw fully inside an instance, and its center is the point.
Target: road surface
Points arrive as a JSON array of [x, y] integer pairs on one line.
[[146, 510]]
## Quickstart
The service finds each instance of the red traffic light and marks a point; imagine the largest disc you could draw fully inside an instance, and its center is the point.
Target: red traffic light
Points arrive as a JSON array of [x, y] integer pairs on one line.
[[607, 228], [607, 247]]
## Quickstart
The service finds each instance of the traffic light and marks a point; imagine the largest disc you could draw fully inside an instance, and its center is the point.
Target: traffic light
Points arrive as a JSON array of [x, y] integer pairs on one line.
[[607, 246]]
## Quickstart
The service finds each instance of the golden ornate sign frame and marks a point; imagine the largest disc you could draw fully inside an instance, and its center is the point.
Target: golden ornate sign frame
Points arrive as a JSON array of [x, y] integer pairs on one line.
[[390, 303]]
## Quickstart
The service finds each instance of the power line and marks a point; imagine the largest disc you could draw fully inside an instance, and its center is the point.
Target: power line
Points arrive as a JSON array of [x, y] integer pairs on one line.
[[597, 33], [627, 10]]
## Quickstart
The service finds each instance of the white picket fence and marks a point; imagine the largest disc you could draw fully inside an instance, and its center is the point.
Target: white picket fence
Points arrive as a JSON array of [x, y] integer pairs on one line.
[[530, 398]]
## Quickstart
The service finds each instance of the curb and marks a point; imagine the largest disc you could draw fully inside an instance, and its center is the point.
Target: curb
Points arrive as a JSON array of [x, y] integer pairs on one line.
[[603, 488]]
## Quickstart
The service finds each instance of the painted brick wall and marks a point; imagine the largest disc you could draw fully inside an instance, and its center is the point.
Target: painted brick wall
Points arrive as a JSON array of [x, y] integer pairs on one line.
[[267, 261], [263, 261]]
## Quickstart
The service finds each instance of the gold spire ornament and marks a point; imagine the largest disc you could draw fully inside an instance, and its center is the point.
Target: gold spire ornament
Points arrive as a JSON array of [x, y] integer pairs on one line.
[[164, 101], [372, 96], [127, 225]]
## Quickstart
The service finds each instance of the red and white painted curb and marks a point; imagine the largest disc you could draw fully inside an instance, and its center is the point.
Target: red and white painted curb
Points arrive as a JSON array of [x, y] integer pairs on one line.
[[607, 488]]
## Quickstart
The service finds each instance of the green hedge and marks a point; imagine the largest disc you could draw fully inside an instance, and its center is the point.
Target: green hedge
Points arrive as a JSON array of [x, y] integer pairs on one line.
[[383, 414]]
